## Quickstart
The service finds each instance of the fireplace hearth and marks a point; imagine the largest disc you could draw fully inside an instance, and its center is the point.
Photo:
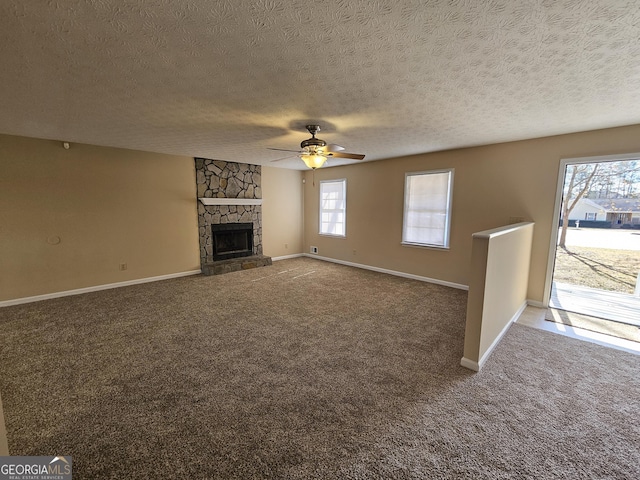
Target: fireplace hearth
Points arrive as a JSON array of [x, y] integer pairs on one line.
[[232, 240]]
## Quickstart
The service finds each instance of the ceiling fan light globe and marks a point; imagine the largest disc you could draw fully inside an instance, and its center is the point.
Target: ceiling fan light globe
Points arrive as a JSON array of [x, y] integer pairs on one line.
[[313, 161]]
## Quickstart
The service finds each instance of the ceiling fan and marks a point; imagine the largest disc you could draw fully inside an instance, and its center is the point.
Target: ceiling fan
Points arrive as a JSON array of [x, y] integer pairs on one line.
[[315, 152]]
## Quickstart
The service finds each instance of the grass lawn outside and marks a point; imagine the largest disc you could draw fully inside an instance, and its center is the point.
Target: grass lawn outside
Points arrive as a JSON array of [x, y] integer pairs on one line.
[[601, 268]]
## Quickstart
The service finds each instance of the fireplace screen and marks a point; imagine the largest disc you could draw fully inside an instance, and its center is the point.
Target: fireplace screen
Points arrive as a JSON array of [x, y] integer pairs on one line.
[[232, 240]]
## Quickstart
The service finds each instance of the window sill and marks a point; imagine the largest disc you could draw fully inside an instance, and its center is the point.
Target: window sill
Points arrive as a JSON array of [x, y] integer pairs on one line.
[[422, 245], [331, 236]]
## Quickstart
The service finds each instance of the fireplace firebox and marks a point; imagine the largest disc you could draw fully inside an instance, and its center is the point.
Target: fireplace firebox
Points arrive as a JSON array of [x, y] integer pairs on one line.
[[231, 240]]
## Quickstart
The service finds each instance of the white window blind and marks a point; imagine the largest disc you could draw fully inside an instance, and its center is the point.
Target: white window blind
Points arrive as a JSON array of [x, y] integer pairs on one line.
[[333, 207], [427, 205]]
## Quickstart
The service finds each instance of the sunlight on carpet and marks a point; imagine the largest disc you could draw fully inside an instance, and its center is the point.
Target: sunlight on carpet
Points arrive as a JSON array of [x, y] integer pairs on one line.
[[593, 324]]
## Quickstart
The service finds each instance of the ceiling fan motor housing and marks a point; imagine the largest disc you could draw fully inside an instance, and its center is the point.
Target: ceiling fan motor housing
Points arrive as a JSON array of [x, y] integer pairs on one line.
[[313, 143]]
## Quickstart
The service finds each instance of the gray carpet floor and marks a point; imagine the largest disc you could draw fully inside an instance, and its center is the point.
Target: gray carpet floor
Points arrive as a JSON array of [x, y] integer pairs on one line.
[[307, 369]]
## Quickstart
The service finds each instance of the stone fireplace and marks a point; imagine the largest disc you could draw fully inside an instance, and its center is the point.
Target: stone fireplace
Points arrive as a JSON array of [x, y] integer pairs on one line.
[[229, 216]]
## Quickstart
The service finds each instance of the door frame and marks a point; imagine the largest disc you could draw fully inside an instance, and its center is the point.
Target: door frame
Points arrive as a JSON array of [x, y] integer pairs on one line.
[[553, 242]]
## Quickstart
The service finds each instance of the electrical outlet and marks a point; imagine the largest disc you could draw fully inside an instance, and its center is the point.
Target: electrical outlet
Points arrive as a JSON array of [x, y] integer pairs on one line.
[[314, 250], [354, 252], [286, 245], [123, 266]]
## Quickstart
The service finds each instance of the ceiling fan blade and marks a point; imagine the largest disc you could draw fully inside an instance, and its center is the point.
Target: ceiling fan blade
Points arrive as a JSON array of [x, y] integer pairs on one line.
[[284, 150], [352, 156], [283, 158], [332, 147]]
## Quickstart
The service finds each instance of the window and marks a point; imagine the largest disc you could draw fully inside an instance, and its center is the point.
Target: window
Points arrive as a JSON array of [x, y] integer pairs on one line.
[[427, 207], [590, 216], [333, 207]]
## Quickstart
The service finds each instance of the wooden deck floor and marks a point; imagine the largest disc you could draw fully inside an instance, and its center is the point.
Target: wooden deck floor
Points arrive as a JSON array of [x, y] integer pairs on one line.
[[618, 307]]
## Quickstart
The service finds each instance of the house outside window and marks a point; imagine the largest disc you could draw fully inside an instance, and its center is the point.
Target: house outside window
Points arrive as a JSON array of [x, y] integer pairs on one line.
[[427, 208], [333, 207]]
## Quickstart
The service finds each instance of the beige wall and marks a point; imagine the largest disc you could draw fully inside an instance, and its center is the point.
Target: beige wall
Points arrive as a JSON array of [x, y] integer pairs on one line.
[[507, 275], [108, 206], [112, 206], [281, 211], [4, 443], [500, 260], [491, 184]]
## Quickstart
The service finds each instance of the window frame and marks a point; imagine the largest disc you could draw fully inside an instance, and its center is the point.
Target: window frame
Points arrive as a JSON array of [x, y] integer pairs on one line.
[[344, 211], [447, 226]]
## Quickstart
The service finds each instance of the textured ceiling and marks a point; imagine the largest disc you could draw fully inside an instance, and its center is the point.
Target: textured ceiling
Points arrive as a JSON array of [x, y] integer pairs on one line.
[[227, 79]]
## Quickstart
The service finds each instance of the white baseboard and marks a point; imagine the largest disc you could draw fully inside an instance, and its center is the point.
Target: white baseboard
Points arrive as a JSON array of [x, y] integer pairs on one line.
[[496, 341], [286, 257], [465, 362], [48, 296], [390, 272], [470, 364], [535, 303]]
